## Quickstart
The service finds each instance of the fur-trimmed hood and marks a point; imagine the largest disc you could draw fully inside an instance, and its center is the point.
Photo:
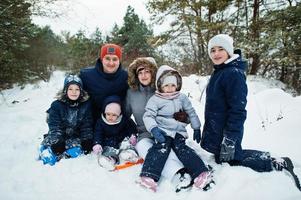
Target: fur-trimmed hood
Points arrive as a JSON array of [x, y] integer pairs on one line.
[[165, 71], [148, 62], [62, 96]]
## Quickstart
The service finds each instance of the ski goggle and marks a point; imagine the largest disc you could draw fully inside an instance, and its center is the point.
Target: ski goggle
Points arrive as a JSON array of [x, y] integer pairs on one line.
[[73, 78]]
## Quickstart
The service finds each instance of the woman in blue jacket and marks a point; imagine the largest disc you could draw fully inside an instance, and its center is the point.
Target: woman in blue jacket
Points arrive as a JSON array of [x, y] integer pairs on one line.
[[225, 111]]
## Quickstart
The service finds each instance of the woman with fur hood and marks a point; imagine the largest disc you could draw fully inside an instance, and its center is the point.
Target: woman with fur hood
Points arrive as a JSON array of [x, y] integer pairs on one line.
[[70, 124], [141, 80], [170, 133]]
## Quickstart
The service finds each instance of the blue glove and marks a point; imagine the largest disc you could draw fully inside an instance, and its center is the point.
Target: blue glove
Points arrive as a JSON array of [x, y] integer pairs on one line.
[[158, 134], [197, 136], [73, 152], [227, 150], [47, 156]]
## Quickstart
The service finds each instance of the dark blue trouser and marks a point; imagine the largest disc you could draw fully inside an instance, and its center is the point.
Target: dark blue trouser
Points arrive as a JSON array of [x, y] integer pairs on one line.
[[158, 153], [257, 160]]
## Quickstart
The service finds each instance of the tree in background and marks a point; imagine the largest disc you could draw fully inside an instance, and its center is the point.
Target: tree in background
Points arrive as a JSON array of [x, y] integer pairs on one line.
[[15, 27], [134, 36]]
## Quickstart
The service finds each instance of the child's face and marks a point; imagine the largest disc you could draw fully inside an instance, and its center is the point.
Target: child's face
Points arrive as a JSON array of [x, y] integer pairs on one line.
[[110, 63], [111, 117], [73, 92], [145, 77], [169, 88], [218, 55]]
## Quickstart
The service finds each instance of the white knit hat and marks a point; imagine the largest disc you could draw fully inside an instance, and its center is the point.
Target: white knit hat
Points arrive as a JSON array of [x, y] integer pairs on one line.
[[113, 108], [221, 40], [170, 80]]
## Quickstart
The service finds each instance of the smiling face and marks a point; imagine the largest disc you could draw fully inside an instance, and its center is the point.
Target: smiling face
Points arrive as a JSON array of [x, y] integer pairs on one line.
[[218, 55], [145, 76], [110, 63], [73, 92]]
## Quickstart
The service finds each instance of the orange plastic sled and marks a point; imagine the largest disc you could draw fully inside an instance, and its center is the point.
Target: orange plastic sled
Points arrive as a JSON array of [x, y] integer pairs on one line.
[[128, 164]]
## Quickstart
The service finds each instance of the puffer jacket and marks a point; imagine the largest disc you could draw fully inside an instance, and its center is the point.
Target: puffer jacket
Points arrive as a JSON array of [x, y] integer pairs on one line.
[[112, 135], [159, 111], [70, 124], [138, 95], [100, 85], [225, 113]]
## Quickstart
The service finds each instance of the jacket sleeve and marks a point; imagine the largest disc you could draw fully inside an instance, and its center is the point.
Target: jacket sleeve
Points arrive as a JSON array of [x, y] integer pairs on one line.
[[55, 123], [86, 127], [151, 111], [194, 119], [131, 127], [98, 133], [236, 99], [128, 108]]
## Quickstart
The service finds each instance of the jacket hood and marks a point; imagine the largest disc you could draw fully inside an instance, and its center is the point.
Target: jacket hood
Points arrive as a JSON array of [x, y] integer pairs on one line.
[[62, 96], [111, 99], [148, 62], [235, 61], [165, 71]]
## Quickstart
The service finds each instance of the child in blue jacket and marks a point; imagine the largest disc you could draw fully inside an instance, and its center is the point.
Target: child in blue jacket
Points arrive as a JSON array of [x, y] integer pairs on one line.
[[70, 124], [114, 135], [225, 112]]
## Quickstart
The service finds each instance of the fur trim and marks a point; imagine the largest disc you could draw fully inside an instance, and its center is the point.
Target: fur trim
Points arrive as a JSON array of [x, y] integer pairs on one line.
[[133, 80], [62, 96]]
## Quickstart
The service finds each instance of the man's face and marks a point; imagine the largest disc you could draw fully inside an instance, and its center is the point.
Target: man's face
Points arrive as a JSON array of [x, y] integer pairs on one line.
[[110, 63]]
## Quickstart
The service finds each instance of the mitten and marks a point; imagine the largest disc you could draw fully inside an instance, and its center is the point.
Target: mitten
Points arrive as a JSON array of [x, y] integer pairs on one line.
[[158, 134], [197, 136], [227, 150], [181, 116], [97, 149], [47, 156], [73, 152], [133, 140]]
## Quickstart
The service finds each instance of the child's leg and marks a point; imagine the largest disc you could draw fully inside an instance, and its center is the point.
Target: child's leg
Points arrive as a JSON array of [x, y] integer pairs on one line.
[[155, 159], [108, 158], [257, 160], [191, 161]]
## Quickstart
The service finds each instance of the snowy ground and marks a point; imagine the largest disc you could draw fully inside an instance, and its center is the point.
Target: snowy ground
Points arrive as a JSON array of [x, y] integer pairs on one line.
[[273, 124]]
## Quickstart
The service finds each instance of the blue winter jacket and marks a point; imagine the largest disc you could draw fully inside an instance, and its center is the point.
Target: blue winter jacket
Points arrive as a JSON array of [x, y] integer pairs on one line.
[[225, 113], [70, 124], [100, 85], [113, 134]]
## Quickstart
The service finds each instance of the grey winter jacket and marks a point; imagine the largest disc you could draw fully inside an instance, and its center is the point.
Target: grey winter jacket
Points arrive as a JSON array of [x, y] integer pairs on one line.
[[159, 111], [137, 96]]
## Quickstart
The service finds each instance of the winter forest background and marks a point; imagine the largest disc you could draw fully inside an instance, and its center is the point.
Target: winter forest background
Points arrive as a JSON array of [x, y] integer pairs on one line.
[[267, 31]]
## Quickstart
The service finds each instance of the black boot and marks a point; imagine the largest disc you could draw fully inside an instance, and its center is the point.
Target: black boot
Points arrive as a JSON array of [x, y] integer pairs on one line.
[[286, 164]]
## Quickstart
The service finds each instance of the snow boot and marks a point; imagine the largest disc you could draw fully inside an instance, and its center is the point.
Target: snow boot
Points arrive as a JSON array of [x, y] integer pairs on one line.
[[106, 162], [204, 181], [148, 183], [182, 181], [286, 164], [128, 155]]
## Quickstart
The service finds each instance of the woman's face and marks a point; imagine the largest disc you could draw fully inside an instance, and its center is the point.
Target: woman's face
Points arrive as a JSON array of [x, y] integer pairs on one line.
[[218, 55], [73, 92], [145, 77], [110, 63]]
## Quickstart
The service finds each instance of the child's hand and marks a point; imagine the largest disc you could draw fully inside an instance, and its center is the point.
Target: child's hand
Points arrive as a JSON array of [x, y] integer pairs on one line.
[[97, 149], [133, 140]]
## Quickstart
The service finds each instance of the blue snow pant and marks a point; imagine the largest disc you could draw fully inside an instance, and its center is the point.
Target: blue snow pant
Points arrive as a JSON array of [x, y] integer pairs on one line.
[[157, 155], [257, 160]]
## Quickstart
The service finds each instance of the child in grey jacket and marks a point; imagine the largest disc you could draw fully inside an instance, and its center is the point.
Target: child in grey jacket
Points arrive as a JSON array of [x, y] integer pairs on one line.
[[169, 133]]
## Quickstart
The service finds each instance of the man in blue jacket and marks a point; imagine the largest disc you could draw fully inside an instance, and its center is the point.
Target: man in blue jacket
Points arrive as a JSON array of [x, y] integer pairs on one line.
[[106, 78]]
